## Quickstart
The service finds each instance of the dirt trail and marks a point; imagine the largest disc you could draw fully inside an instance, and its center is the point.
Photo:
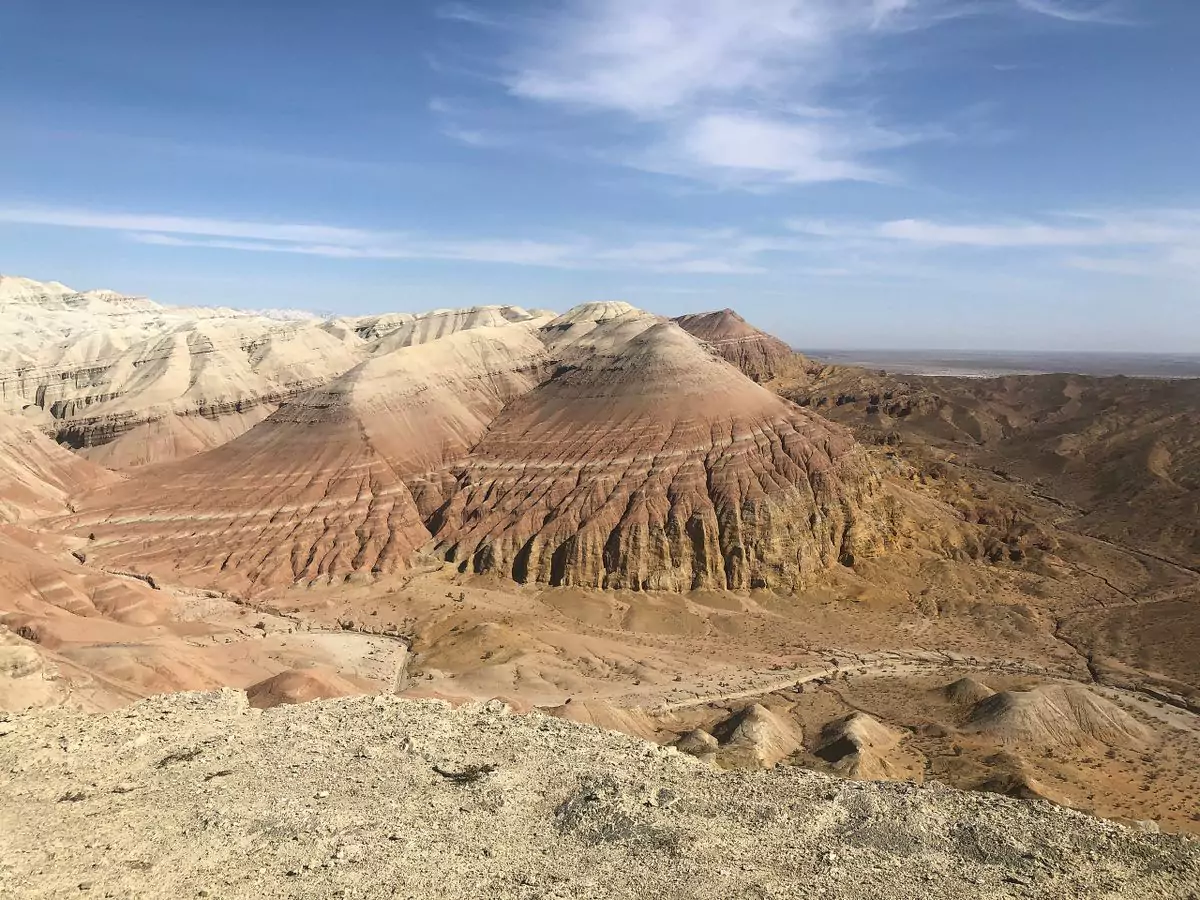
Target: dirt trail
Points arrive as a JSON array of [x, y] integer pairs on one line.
[[896, 662]]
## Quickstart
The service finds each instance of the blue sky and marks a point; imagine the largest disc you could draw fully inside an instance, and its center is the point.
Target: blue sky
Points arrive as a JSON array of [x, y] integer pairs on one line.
[[988, 174]]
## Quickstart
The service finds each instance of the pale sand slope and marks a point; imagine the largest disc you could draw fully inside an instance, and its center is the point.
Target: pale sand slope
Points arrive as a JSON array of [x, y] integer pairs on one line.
[[36, 475], [129, 382], [196, 795], [592, 328], [441, 323]]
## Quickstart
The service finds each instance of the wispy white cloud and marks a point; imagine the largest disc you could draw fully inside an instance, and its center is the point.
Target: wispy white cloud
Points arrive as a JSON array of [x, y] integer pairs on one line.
[[1133, 243], [475, 137], [691, 253], [168, 224], [1111, 229], [711, 90], [732, 91], [723, 89], [658, 57], [529, 253], [1133, 268], [746, 146], [654, 252], [466, 12], [998, 235], [1150, 244], [1099, 12], [711, 266]]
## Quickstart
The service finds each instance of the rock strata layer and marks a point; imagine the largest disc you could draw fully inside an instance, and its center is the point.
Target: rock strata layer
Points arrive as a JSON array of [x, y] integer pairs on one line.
[[127, 382], [604, 448], [335, 483], [759, 355], [656, 465]]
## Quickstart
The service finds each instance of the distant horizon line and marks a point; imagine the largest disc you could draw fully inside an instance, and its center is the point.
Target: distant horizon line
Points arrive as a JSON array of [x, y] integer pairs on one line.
[[1155, 354]]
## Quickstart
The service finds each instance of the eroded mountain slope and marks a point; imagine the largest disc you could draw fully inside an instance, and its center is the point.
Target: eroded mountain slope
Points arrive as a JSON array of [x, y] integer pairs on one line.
[[127, 382], [759, 355], [657, 465], [337, 482], [1121, 454], [606, 449]]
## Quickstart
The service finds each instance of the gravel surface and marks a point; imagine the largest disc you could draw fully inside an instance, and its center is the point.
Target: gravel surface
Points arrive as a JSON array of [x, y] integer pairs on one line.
[[198, 795]]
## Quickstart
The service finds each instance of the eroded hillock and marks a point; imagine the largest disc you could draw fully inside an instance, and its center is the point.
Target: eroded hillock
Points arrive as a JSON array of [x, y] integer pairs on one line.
[[1055, 715]]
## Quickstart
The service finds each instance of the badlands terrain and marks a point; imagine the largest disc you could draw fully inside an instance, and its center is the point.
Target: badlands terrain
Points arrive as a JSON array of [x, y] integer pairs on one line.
[[680, 530]]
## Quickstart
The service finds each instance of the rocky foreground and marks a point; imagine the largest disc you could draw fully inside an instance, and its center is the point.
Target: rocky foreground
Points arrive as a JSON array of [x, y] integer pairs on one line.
[[199, 795]]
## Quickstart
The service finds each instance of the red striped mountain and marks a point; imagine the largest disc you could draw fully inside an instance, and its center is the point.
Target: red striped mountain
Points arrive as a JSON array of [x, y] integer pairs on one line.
[[608, 449], [758, 354]]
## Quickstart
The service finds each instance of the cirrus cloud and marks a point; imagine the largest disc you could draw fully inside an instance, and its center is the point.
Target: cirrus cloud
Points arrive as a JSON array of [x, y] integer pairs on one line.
[[730, 91]]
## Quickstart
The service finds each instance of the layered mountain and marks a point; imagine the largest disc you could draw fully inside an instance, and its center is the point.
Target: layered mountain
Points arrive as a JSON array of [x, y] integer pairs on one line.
[[403, 329], [127, 382], [602, 514], [53, 296], [654, 464], [444, 322], [338, 481], [761, 356], [603, 448], [193, 388]]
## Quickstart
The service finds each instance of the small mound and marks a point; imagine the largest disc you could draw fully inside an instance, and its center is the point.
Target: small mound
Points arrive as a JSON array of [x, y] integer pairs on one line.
[[18, 658], [756, 736], [1058, 715], [300, 686], [1011, 777], [967, 691], [606, 717], [856, 744], [698, 743], [1021, 786], [26, 682]]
